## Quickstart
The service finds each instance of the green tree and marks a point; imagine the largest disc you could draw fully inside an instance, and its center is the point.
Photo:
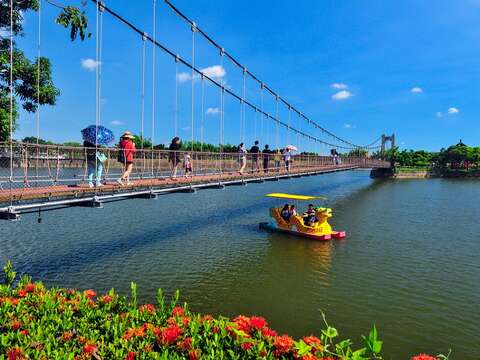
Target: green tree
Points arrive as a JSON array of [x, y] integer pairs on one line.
[[29, 84], [358, 153], [72, 144], [33, 140], [147, 143]]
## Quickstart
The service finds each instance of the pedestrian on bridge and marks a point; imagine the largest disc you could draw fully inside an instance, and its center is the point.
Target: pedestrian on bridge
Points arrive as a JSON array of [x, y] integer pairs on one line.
[[242, 157], [255, 150], [125, 156], [95, 160], [266, 158], [287, 157], [174, 156], [277, 158]]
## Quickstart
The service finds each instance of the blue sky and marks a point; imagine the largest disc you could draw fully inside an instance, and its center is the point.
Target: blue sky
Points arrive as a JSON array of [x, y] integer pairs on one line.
[[360, 68]]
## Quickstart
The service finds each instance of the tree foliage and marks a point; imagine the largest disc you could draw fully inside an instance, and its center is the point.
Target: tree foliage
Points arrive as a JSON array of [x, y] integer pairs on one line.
[[33, 140], [30, 86], [75, 19]]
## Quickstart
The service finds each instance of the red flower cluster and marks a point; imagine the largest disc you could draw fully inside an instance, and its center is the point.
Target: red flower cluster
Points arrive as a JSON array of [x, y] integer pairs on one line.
[[89, 349], [67, 336], [252, 324], [309, 357], [170, 334], [423, 357], [314, 342], [90, 294], [9, 300], [130, 356], [194, 354], [135, 332], [106, 299], [14, 354], [29, 288], [178, 311], [247, 346], [185, 344], [257, 323], [147, 308], [283, 344]]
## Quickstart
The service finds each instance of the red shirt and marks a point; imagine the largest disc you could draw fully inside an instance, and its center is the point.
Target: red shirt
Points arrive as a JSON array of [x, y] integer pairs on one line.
[[129, 147]]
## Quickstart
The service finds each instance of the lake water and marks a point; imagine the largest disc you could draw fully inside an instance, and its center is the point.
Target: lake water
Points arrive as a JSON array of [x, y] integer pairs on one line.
[[410, 263]]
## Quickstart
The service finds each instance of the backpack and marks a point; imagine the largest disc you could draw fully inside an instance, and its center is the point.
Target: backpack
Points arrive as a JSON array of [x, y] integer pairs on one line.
[[121, 156]]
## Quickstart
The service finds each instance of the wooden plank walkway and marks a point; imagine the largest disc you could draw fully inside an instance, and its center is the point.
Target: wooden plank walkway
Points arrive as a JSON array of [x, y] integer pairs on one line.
[[28, 198]]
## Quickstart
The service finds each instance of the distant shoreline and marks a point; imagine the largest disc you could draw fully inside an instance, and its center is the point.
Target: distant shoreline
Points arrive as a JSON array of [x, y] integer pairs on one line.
[[424, 173]]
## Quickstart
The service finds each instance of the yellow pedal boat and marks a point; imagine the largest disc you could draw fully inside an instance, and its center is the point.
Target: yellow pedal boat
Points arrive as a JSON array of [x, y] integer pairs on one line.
[[320, 230]]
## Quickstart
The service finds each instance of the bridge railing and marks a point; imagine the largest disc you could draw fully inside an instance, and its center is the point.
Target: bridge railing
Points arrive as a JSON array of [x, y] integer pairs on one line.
[[29, 165]]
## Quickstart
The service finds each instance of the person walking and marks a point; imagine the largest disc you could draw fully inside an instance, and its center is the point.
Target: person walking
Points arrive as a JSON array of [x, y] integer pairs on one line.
[[242, 157], [174, 156], [266, 158], [255, 151], [95, 160], [187, 164], [287, 157], [125, 156], [277, 158]]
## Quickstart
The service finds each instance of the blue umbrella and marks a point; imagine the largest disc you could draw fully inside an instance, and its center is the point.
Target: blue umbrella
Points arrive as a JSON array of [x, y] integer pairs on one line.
[[99, 135]]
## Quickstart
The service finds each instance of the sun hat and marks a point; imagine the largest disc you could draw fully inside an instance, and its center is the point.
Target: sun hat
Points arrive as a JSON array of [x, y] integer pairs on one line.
[[128, 135]]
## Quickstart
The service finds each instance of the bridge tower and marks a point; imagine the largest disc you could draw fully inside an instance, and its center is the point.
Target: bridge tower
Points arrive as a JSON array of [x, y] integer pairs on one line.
[[386, 139]]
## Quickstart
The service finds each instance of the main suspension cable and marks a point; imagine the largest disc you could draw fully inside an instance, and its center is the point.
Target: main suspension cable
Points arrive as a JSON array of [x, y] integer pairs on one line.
[[213, 81], [254, 77]]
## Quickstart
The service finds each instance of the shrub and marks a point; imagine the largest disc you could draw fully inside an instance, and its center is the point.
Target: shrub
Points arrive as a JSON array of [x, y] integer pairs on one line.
[[41, 323]]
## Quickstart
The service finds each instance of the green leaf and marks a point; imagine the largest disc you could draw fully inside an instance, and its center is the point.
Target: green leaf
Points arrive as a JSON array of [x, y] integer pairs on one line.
[[330, 333]]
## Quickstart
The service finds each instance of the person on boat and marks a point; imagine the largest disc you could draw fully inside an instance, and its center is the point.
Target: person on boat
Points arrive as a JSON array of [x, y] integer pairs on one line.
[[187, 164], [95, 160], [309, 217], [285, 213], [174, 156], [242, 157], [126, 154], [255, 150], [292, 210]]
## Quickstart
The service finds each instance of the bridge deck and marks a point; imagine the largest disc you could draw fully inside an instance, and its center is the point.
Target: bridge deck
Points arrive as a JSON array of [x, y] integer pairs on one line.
[[18, 200]]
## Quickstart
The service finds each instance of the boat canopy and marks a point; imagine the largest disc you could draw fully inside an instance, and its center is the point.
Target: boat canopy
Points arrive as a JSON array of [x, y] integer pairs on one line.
[[294, 197]]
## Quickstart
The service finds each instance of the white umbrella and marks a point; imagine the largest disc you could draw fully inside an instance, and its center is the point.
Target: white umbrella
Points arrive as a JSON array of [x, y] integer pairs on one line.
[[291, 147]]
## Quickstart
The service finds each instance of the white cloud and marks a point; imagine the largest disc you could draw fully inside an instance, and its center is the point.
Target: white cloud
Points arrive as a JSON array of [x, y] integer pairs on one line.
[[453, 110], [439, 114], [342, 95], [212, 111], [183, 77], [347, 126], [416, 90], [90, 64], [116, 122], [214, 72], [339, 86]]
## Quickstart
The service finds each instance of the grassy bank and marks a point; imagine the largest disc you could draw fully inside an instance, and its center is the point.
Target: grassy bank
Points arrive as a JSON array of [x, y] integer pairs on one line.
[[41, 323]]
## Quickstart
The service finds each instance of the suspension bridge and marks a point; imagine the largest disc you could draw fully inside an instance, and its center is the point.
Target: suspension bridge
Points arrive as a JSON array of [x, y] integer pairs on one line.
[[36, 177]]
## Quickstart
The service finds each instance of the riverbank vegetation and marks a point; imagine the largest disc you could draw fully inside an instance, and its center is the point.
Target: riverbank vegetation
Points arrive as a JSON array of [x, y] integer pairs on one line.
[[41, 323], [456, 160]]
